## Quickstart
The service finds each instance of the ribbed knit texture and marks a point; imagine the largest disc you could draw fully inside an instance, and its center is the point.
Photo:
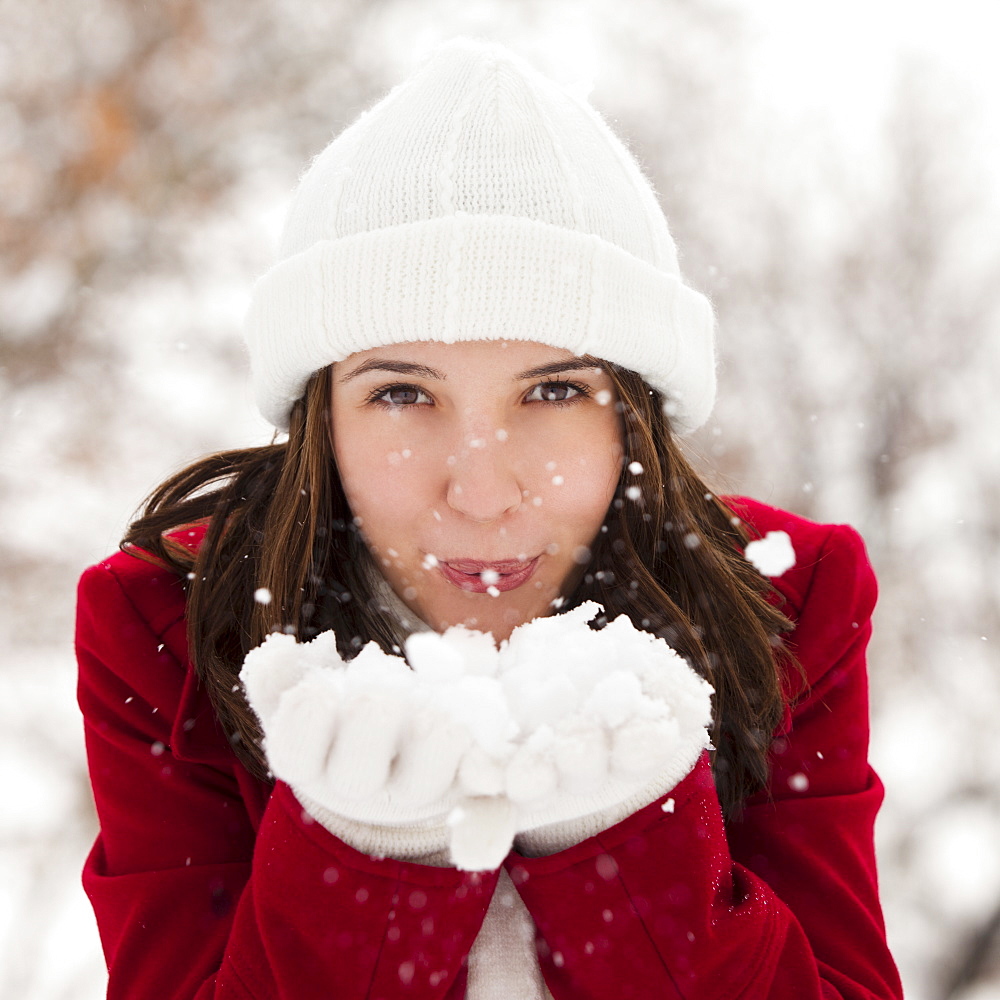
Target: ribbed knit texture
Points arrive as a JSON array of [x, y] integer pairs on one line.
[[479, 200]]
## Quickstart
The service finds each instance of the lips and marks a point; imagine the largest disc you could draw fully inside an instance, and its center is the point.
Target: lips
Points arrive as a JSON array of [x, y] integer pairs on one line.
[[467, 574]]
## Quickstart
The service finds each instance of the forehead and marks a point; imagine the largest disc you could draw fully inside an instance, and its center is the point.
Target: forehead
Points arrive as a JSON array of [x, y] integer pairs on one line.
[[499, 357]]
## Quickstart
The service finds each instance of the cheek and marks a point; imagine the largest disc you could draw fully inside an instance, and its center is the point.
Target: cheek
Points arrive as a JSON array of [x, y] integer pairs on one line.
[[386, 475], [363, 467], [576, 475]]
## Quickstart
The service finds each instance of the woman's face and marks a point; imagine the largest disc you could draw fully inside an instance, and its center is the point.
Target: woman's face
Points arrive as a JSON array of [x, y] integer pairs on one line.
[[480, 473]]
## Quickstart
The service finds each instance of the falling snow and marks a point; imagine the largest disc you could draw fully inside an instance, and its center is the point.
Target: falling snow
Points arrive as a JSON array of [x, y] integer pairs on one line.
[[773, 554]]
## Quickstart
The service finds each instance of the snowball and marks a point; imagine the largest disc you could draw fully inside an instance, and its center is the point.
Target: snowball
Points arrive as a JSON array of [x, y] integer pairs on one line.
[[480, 704], [615, 698], [531, 774], [643, 744], [482, 830], [581, 756], [773, 554], [481, 774], [540, 698], [374, 670], [457, 651]]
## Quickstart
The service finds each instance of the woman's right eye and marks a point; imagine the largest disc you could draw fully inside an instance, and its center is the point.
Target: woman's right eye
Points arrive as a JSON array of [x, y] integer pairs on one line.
[[398, 395]]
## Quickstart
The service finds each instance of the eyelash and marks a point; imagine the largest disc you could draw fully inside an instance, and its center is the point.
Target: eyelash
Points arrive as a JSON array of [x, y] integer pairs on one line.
[[376, 396], [582, 392]]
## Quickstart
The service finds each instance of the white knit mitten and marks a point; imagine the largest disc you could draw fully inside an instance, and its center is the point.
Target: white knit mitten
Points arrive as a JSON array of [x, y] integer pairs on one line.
[[614, 713], [369, 739], [561, 722]]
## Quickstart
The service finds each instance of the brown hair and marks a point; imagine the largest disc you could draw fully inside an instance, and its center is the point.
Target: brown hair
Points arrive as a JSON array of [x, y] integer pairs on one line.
[[669, 556]]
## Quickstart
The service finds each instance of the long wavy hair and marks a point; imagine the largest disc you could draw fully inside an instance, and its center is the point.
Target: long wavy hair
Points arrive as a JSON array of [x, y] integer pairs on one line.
[[671, 559]]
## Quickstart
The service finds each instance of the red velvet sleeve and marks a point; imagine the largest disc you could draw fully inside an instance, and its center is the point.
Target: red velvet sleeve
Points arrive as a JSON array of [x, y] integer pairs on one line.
[[782, 905], [206, 886]]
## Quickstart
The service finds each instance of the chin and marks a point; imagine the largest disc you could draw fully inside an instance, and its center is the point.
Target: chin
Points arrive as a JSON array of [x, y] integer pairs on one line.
[[498, 619]]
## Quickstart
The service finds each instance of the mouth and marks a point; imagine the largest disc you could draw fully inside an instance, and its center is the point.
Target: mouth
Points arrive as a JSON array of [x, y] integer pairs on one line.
[[479, 577]]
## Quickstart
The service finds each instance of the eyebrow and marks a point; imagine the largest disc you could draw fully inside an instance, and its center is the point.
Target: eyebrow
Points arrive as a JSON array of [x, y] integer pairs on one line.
[[387, 365], [411, 368], [556, 367]]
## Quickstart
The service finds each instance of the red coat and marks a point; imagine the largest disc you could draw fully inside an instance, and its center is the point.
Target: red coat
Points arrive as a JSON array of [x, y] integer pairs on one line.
[[208, 884]]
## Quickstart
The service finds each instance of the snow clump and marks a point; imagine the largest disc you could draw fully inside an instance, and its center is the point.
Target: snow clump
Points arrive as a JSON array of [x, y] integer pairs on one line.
[[771, 555], [558, 712]]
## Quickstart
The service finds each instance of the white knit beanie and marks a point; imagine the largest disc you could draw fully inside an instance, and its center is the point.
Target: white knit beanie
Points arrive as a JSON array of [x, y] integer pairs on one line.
[[479, 201]]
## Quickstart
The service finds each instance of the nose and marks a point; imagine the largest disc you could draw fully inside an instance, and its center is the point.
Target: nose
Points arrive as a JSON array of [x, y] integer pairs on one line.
[[482, 483]]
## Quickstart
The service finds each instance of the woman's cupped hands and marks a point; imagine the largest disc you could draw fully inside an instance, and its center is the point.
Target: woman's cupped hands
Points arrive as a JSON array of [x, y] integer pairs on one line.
[[562, 721]]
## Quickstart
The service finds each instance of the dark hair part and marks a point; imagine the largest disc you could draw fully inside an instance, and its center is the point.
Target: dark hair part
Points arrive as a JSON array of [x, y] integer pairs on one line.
[[670, 557]]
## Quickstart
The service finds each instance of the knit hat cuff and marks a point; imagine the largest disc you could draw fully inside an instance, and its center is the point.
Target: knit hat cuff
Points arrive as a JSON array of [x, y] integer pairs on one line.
[[479, 277]]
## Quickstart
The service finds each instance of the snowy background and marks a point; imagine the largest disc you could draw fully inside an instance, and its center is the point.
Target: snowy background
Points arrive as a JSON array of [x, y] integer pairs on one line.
[[832, 174]]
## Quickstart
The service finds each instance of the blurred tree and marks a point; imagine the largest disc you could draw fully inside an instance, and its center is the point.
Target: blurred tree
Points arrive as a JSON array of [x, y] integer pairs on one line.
[[863, 351]]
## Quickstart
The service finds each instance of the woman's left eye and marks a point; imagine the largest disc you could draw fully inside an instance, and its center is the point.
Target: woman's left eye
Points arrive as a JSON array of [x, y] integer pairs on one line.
[[555, 392], [398, 395]]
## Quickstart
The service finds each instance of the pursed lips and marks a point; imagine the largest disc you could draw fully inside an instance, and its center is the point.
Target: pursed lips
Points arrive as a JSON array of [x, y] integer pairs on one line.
[[473, 566], [482, 577]]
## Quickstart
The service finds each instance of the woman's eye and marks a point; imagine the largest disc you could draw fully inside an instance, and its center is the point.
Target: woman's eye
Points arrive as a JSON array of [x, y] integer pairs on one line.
[[554, 392], [399, 395]]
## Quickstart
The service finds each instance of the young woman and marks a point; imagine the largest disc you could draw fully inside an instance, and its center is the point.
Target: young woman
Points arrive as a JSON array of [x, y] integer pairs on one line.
[[480, 346]]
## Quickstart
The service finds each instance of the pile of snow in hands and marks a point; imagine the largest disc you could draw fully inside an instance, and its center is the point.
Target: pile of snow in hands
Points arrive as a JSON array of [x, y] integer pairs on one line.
[[559, 712]]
